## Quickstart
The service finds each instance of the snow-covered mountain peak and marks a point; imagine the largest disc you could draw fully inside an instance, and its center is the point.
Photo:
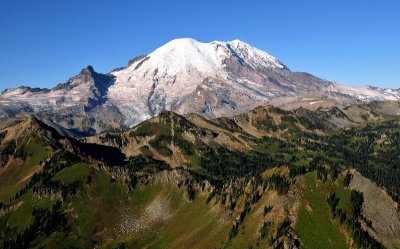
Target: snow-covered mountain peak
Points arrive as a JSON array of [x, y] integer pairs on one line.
[[181, 41], [184, 56], [213, 78]]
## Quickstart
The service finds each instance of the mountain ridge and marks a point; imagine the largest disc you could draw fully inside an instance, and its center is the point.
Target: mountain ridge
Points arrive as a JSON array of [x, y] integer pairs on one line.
[[213, 79], [265, 178]]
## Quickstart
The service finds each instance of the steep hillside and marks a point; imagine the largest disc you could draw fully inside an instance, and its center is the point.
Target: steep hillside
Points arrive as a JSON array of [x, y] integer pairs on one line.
[[380, 207], [24, 147]]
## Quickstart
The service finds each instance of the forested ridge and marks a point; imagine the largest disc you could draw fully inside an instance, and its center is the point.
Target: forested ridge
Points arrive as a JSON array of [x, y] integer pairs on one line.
[[217, 163]]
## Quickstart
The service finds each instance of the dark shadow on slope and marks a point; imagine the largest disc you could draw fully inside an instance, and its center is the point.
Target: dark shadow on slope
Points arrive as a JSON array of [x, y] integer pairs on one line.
[[111, 156]]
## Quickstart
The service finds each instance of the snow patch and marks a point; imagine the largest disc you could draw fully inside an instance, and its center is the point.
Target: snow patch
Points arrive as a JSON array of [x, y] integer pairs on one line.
[[315, 102]]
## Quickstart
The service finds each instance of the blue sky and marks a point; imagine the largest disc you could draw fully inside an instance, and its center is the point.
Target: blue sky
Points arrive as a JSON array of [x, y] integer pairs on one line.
[[45, 42]]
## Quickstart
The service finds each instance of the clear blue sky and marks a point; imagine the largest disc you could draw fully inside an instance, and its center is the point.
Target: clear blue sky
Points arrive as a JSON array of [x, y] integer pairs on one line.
[[45, 42]]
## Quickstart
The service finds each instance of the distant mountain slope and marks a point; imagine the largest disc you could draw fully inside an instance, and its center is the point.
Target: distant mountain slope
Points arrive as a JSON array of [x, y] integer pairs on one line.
[[216, 79]]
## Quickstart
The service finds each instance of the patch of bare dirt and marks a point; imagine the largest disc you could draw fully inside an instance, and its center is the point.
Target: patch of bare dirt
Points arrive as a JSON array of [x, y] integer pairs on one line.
[[133, 221]]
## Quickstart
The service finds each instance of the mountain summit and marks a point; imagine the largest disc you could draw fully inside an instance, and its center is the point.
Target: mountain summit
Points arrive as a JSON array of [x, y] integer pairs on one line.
[[186, 76], [212, 79]]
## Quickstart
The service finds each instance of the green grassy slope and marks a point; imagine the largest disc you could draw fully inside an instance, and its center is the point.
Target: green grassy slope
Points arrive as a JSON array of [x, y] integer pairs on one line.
[[315, 225]]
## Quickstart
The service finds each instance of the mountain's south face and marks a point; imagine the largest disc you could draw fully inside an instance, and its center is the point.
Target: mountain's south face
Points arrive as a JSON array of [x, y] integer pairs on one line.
[[186, 76], [211, 79]]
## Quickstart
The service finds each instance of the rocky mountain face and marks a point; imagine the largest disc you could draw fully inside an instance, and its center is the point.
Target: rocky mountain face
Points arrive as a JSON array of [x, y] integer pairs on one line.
[[185, 76], [211, 79], [81, 92], [80, 104]]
